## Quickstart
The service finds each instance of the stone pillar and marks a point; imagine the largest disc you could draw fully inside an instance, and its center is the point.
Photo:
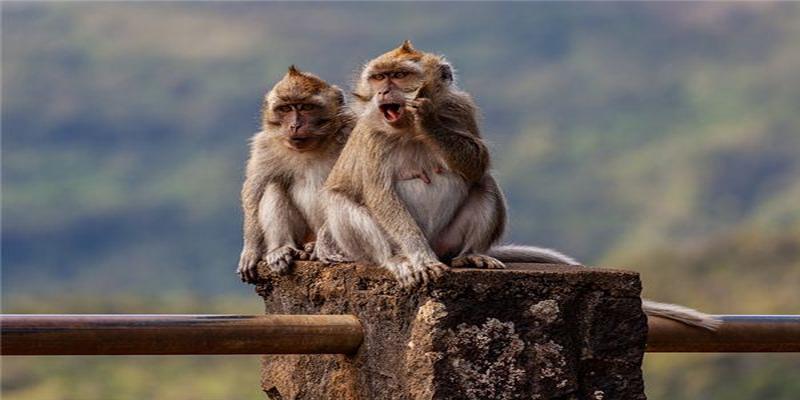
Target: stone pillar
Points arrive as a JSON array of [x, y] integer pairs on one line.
[[533, 331]]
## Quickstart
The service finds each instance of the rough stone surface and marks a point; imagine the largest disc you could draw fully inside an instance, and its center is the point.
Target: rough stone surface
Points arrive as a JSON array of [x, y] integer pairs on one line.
[[529, 332]]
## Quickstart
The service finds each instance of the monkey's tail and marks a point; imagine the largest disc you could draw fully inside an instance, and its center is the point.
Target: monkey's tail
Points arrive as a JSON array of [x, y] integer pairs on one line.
[[684, 315], [510, 253], [515, 253]]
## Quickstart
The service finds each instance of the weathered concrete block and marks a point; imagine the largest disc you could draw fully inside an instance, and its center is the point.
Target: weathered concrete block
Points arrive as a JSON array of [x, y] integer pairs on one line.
[[530, 332]]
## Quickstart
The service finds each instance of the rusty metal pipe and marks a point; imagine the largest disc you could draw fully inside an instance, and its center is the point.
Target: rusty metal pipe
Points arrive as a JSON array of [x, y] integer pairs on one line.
[[133, 334], [320, 334], [737, 334]]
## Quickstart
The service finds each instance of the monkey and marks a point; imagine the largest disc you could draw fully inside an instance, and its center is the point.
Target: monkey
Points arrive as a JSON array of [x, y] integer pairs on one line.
[[414, 122], [305, 123]]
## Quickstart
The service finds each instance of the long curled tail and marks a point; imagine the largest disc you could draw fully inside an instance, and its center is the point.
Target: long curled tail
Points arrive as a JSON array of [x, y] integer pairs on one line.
[[681, 314], [510, 253], [514, 253]]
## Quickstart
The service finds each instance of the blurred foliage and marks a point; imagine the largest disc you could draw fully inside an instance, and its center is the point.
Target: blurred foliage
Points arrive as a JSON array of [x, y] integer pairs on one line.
[[745, 272], [659, 137]]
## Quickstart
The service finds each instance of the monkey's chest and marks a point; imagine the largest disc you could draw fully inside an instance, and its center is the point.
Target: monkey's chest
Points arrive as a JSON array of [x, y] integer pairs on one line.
[[306, 197], [433, 204]]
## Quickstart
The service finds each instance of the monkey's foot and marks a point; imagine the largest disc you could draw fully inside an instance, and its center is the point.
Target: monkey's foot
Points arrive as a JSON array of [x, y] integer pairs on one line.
[[307, 254], [327, 252], [412, 274], [331, 257], [280, 259], [477, 261]]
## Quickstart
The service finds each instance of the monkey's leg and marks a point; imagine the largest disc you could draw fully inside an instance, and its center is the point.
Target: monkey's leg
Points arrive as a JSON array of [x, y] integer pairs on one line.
[[360, 237], [283, 226], [352, 233], [476, 226], [325, 248]]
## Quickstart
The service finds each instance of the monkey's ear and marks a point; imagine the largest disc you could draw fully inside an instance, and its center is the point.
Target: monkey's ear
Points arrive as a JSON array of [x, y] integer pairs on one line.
[[293, 70], [339, 95], [446, 72]]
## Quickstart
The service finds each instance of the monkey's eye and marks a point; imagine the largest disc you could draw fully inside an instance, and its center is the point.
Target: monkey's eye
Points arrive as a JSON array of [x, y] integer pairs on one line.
[[285, 108], [399, 75], [308, 107], [378, 77]]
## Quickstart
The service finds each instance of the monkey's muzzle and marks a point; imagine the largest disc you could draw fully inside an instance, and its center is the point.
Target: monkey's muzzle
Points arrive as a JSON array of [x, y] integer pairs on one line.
[[301, 142]]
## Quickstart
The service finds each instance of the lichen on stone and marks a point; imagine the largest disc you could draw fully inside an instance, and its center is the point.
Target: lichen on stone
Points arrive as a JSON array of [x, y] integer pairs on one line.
[[485, 359], [431, 312], [549, 359], [545, 311]]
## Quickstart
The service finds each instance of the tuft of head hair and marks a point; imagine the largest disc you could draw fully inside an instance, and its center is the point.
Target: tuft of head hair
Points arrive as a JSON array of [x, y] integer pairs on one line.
[[294, 71], [407, 47]]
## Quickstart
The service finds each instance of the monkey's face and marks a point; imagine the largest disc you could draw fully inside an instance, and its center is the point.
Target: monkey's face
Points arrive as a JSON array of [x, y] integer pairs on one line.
[[393, 87], [303, 110], [300, 124], [393, 79]]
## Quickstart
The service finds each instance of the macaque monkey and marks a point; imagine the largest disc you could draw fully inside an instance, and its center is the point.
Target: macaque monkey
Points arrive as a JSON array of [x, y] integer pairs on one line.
[[305, 124], [412, 190]]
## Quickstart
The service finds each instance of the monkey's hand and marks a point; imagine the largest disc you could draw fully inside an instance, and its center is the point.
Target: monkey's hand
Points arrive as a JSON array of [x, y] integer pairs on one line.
[[424, 112], [280, 259], [248, 264], [477, 261], [412, 274]]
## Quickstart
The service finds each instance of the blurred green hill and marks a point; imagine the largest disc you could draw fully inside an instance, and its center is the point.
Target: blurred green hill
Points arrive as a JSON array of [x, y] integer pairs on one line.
[[615, 128], [659, 137]]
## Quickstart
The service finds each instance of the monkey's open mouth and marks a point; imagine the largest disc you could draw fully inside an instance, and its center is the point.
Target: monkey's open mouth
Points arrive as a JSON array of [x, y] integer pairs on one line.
[[391, 111]]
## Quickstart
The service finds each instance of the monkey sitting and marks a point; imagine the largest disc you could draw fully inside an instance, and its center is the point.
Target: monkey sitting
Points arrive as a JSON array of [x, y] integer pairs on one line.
[[305, 124], [413, 122]]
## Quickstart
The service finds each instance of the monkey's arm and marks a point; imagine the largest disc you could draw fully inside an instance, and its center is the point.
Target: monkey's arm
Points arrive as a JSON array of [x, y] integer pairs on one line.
[[281, 226], [454, 132], [253, 246]]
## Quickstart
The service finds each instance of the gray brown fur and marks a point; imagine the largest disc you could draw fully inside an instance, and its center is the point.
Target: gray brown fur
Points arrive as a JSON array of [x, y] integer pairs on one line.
[[280, 192], [370, 218]]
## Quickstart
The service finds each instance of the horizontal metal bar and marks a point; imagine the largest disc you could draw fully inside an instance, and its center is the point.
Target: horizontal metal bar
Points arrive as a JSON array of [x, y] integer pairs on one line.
[[737, 334], [130, 334]]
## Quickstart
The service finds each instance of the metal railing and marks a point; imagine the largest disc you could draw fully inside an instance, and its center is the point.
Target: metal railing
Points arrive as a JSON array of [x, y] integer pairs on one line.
[[32, 334], [736, 334], [134, 334]]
